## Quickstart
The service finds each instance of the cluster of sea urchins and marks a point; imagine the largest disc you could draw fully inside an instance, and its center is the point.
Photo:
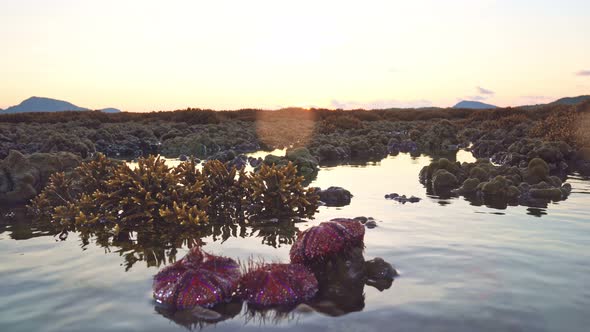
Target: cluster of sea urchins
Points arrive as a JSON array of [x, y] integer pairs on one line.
[[200, 279]]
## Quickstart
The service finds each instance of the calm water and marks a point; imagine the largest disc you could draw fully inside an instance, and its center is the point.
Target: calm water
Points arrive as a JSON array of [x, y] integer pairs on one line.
[[463, 267]]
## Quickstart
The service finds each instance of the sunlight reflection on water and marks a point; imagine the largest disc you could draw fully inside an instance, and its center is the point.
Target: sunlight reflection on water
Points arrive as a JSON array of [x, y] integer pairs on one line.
[[463, 267]]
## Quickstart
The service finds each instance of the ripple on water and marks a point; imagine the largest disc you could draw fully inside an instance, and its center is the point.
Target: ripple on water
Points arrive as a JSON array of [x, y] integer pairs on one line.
[[463, 267]]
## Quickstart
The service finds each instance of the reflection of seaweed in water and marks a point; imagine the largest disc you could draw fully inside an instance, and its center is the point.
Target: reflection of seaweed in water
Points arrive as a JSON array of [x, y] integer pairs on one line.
[[20, 226], [159, 247], [341, 291]]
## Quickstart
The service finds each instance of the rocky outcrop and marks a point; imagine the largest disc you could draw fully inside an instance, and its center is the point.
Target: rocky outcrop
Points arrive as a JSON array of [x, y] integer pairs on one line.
[[22, 177], [484, 182], [335, 196]]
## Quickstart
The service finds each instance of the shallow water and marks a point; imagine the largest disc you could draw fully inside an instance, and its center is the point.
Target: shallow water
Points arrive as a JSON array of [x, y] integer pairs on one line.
[[463, 267]]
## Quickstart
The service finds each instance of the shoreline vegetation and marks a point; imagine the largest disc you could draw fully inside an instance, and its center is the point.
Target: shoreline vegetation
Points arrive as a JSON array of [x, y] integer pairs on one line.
[[505, 140]]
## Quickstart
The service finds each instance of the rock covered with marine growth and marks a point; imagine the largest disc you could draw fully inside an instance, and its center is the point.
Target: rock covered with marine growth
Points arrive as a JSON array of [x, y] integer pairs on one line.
[[23, 176], [532, 185]]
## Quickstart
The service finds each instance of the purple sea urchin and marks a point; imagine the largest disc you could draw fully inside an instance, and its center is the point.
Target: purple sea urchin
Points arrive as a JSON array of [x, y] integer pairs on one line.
[[198, 279], [277, 284], [326, 239]]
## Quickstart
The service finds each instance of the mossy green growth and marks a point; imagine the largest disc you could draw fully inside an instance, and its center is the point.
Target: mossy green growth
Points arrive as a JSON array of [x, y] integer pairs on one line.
[[554, 194], [443, 179], [469, 186], [307, 165], [537, 171], [427, 173], [479, 173], [500, 187]]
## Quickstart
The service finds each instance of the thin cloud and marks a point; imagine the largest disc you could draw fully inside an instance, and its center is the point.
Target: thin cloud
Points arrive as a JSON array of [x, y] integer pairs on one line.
[[381, 104], [484, 91], [475, 98], [583, 73], [535, 100]]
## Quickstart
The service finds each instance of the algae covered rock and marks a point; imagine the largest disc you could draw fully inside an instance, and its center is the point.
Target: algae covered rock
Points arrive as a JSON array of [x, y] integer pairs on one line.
[[500, 188], [21, 177], [444, 180], [469, 187], [307, 165], [537, 171], [553, 194], [427, 172]]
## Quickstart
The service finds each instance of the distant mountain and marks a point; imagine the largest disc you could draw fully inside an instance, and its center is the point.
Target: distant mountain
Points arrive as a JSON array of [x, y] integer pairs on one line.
[[39, 104], [571, 100], [474, 105], [110, 110]]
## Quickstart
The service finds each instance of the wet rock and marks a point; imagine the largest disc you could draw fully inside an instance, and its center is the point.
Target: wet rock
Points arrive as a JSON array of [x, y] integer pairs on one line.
[[469, 187], [223, 156], [537, 171], [444, 180], [331, 153], [403, 199], [183, 157], [307, 165], [239, 161], [370, 224], [377, 268], [395, 146], [335, 196], [362, 220], [255, 162], [499, 188]]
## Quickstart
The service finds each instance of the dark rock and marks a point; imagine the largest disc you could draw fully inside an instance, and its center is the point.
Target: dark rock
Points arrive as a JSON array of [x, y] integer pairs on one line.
[[403, 199], [371, 224], [335, 196], [362, 220], [255, 162]]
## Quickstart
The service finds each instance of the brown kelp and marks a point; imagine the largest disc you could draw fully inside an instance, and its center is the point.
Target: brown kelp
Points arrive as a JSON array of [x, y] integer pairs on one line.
[[109, 195]]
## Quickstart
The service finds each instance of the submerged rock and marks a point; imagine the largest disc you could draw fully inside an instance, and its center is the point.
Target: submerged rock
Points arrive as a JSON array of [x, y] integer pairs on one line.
[[402, 199], [335, 196]]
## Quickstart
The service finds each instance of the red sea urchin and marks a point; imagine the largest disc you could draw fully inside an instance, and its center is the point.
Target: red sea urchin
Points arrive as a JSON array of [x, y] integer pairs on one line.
[[277, 284], [198, 279], [327, 239]]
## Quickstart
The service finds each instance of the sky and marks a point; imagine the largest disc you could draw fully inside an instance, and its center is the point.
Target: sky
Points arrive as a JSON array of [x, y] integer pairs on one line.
[[144, 55]]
